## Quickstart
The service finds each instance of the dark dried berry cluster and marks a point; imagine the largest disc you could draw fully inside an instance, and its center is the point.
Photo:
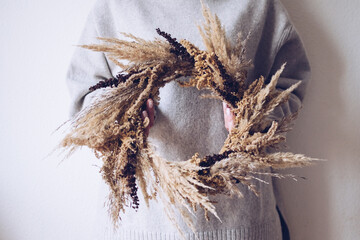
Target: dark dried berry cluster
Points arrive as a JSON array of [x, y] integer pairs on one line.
[[111, 82], [208, 161], [222, 70], [231, 86], [133, 194], [177, 49], [230, 98], [129, 172]]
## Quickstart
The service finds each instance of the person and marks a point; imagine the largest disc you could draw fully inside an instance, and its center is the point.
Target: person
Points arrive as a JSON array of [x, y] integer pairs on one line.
[[185, 123]]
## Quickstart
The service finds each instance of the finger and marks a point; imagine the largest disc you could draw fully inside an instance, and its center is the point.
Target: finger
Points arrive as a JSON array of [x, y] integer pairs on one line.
[[230, 122], [228, 117], [225, 119], [150, 110], [145, 115], [224, 107]]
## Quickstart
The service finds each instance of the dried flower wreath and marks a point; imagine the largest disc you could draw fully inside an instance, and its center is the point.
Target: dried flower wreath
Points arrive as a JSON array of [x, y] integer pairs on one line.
[[112, 126]]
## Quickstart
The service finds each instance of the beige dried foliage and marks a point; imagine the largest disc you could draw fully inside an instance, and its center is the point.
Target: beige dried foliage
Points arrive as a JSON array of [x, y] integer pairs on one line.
[[135, 50], [231, 55], [112, 126]]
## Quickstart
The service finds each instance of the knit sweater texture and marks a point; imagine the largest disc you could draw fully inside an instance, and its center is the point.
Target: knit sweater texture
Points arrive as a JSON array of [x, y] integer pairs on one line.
[[186, 124]]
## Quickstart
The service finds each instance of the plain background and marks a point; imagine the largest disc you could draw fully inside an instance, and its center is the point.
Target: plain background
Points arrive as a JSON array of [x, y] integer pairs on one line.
[[43, 199]]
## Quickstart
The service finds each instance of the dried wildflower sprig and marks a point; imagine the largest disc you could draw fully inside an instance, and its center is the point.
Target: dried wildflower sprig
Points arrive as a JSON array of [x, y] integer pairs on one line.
[[178, 49], [233, 57], [112, 126], [111, 82], [209, 73]]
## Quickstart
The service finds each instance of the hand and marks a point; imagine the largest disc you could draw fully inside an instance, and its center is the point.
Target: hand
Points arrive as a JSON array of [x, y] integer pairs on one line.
[[150, 113], [228, 117]]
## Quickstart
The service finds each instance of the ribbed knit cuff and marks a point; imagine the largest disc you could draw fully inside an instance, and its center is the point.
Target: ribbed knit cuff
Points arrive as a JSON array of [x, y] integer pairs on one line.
[[264, 231]]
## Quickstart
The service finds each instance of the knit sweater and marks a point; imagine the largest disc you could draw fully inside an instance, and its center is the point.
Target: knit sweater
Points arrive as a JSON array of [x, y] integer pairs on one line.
[[186, 124]]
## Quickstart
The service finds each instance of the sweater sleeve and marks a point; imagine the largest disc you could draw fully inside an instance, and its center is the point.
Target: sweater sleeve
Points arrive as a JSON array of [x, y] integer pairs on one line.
[[279, 43], [291, 52], [86, 68]]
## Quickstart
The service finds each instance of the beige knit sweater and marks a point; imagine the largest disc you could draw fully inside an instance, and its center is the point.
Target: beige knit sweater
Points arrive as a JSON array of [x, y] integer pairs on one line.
[[186, 124]]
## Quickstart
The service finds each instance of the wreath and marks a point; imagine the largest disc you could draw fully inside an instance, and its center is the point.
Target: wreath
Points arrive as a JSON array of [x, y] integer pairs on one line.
[[112, 125]]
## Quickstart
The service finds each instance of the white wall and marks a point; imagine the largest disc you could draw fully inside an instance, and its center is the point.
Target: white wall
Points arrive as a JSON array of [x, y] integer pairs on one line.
[[40, 199]]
